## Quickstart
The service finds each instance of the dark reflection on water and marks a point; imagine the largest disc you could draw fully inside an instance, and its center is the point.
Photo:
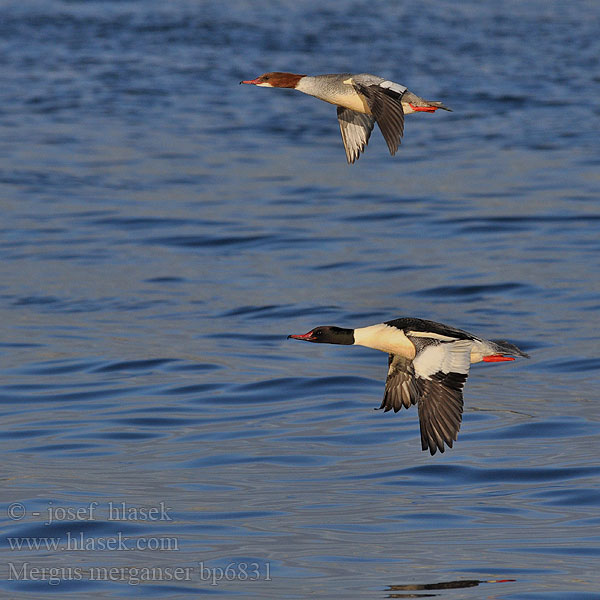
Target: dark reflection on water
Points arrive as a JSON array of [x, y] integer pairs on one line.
[[443, 585], [163, 230]]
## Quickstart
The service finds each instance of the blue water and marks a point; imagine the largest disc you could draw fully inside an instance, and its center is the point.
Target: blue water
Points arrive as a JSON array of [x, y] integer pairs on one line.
[[164, 229]]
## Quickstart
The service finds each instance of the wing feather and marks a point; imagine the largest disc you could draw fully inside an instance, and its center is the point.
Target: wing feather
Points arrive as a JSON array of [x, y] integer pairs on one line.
[[440, 410], [400, 387], [387, 109], [434, 380], [356, 129]]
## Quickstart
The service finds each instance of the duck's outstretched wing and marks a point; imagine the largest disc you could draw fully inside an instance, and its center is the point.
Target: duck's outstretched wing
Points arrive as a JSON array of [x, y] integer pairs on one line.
[[440, 410], [442, 367], [356, 129], [401, 388], [433, 380], [384, 100]]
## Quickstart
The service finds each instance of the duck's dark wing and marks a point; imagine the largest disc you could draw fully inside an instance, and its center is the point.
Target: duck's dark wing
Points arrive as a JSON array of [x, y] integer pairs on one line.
[[440, 410], [401, 387], [356, 129], [386, 107], [442, 367], [434, 380], [423, 328]]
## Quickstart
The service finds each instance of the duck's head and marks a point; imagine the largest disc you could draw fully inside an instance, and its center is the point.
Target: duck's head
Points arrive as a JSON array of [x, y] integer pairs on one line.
[[327, 334], [276, 79]]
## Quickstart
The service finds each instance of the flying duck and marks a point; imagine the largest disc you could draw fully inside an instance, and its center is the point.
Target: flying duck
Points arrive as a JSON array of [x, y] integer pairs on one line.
[[428, 365], [361, 100]]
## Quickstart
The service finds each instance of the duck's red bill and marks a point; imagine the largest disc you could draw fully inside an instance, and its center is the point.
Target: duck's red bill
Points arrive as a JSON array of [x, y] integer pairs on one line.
[[497, 358], [303, 336]]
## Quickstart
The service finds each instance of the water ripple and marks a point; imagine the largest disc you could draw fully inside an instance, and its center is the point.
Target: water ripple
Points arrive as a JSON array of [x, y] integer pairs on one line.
[[164, 229]]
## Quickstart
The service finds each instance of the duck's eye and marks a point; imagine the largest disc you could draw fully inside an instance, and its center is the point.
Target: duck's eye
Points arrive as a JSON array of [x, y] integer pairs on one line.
[[318, 332], [265, 78]]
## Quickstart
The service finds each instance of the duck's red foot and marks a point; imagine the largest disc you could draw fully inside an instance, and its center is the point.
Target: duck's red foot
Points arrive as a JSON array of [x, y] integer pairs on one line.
[[423, 108], [496, 358]]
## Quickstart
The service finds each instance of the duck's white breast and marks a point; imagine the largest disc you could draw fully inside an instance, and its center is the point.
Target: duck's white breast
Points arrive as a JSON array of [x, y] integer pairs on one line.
[[385, 338]]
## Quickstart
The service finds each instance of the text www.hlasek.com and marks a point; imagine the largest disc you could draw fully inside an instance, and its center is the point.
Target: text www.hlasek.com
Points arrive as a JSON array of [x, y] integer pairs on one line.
[[79, 542], [234, 571]]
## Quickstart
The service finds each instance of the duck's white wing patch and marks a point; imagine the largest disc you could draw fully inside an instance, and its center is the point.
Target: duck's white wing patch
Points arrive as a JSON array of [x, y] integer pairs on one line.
[[444, 357], [356, 129], [391, 85]]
